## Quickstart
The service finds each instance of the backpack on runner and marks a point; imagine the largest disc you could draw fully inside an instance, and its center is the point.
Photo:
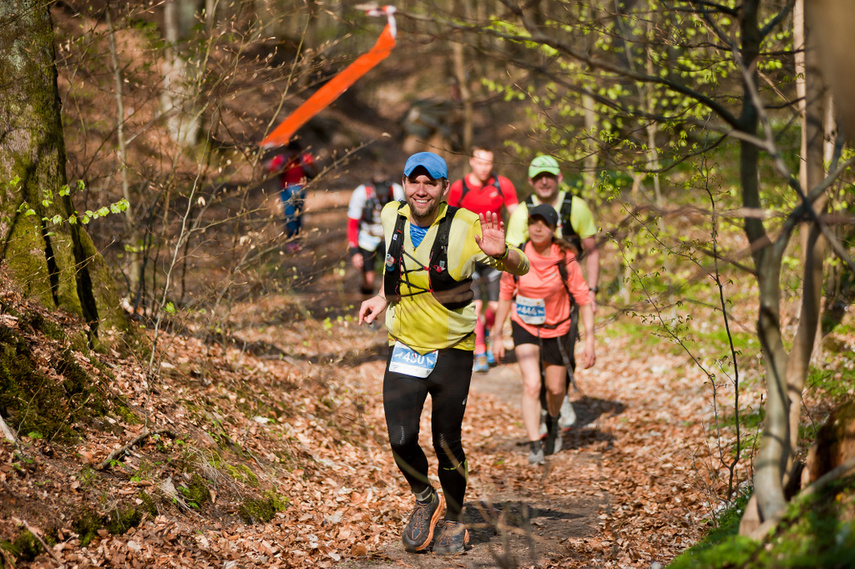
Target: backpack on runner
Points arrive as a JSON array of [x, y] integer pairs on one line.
[[568, 232], [466, 188]]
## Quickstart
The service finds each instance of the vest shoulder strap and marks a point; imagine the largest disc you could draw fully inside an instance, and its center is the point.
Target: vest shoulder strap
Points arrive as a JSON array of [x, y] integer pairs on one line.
[[562, 270], [466, 188], [450, 293]]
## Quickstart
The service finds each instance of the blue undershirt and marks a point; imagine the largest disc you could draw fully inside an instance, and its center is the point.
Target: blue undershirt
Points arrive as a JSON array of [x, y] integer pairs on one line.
[[417, 234]]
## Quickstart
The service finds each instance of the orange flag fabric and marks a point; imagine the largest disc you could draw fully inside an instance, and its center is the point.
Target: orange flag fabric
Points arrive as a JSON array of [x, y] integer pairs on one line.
[[332, 89]]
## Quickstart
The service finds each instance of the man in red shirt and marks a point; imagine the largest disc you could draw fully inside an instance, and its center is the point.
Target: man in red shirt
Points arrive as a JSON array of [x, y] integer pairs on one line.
[[484, 191]]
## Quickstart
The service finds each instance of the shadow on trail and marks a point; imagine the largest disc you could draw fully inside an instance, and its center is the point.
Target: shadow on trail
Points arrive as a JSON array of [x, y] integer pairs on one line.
[[506, 528], [588, 410]]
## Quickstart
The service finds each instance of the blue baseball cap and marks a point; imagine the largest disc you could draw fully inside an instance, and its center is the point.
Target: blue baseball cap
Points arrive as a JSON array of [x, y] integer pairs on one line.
[[433, 163]]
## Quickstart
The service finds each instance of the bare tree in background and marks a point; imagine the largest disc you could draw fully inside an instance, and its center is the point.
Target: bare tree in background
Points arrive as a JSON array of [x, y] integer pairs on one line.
[[181, 72]]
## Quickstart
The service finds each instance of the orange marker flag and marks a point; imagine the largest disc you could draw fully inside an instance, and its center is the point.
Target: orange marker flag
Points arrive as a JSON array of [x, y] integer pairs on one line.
[[338, 84]]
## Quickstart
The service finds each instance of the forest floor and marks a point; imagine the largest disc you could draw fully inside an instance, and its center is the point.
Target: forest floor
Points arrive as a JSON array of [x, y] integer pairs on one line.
[[289, 406], [255, 435]]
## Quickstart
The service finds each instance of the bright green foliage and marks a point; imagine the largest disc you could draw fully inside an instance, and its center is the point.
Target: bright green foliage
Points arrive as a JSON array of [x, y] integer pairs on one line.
[[817, 532]]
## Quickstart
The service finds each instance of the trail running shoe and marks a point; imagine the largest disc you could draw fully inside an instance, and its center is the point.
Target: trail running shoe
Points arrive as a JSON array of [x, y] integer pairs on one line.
[[452, 538], [481, 365], [535, 453], [568, 414], [553, 441], [419, 530], [491, 359]]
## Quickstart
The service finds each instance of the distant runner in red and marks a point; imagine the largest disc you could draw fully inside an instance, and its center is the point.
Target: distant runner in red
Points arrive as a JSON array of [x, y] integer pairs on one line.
[[484, 191], [295, 169]]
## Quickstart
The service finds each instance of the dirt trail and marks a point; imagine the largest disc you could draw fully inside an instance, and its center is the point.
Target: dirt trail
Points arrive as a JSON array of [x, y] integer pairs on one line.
[[519, 521], [591, 505]]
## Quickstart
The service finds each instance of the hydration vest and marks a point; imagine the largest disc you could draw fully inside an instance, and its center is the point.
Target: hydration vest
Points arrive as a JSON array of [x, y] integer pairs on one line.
[[567, 230], [466, 188], [450, 293], [374, 201]]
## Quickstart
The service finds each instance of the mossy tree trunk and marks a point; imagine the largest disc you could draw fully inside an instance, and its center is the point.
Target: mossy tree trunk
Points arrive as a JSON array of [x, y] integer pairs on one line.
[[44, 246]]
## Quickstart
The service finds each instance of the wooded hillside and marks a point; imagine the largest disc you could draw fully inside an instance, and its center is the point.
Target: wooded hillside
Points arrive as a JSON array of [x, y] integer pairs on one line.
[[185, 386]]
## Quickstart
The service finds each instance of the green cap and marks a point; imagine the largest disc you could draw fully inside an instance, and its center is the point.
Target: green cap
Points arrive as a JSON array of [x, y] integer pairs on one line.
[[543, 164]]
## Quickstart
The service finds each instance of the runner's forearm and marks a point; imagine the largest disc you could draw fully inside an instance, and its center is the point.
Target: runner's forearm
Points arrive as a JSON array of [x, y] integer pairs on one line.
[[515, 263]]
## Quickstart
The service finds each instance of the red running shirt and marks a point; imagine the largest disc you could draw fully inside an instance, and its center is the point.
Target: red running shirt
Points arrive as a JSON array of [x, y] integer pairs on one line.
[[484, 199], [292, 171]]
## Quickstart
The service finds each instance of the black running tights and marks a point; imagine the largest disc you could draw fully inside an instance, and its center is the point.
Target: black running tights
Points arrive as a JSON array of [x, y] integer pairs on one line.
[[404, 397]]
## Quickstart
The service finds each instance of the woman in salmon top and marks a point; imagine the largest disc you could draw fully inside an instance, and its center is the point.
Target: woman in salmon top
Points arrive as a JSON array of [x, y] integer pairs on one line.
[[543, 302]]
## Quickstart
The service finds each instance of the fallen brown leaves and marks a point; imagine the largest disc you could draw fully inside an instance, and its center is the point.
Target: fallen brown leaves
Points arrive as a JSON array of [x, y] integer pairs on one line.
[[309, 429]]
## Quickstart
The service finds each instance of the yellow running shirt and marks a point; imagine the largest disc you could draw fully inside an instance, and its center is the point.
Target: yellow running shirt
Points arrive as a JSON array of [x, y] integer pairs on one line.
[[418, 319], [581, 220]]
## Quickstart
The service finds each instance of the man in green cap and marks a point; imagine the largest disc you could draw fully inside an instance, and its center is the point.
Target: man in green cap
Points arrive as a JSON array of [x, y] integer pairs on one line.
[[576, 225]]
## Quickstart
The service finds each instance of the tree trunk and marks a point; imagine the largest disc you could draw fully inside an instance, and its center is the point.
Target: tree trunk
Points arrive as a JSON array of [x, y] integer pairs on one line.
[[134, 240], [461, 74], [179, 94], [47, 251], [774, 447], [812, 173]]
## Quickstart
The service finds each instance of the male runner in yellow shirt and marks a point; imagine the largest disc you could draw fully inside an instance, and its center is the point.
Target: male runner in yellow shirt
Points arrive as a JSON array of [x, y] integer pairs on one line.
[[431, 250]]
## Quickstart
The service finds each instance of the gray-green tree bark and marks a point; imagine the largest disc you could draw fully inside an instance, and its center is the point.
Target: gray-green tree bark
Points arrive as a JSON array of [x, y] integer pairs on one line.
[[45, 248], [180, 72]]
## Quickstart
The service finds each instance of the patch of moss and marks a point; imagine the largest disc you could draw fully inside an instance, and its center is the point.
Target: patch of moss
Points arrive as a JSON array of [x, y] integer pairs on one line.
[[122, 519], [126, 414], [148, 504], [734, 552], [196, 491], [28, 399], [24, 548], [260, 510], [7, 308], [816, 532], [76, 378], [34, 402], [242, 473], [86, 525], [38, 323], [11, 338]]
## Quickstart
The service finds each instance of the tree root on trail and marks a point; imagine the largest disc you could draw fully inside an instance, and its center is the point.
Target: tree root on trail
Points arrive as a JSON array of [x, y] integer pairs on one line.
[[841, 471], [751, 525]]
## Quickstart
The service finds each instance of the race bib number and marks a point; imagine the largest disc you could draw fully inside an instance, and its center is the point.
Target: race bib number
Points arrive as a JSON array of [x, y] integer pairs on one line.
[[409, 362], [531, 310]]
